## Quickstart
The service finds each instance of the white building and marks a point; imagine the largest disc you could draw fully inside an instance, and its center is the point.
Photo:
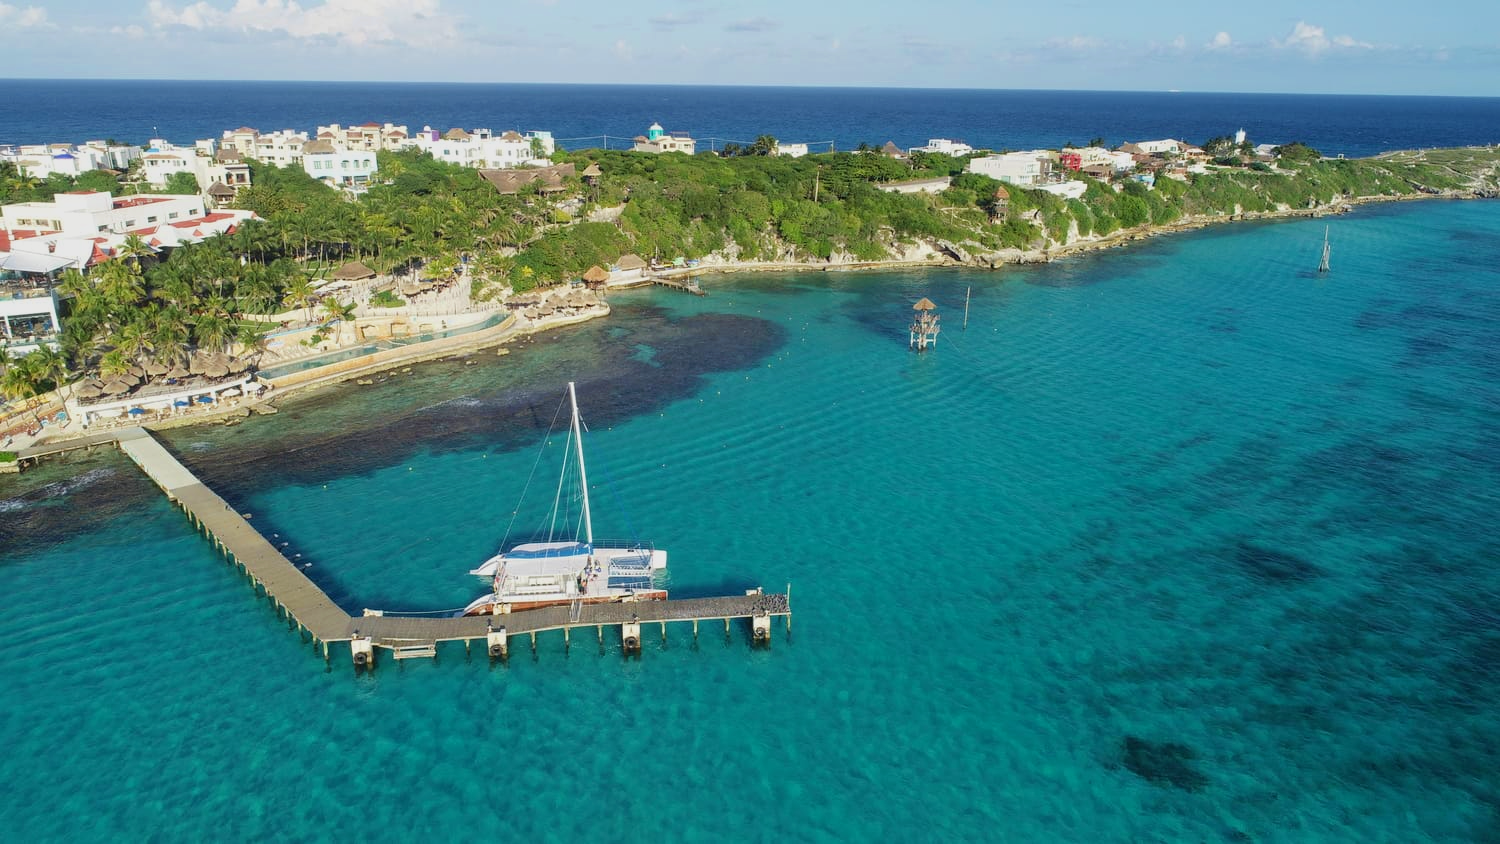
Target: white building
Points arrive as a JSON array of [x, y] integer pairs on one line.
[[42, 160], [790, 150], [483, 148], [1067, 190], [89, 213], [1026, 169], [944, 146], [1166, 146], [28, 306], [339, 167], [658, 140], [282, 148], [366, 137]]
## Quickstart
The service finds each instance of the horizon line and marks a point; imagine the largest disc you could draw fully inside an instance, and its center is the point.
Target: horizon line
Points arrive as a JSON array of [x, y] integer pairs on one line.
[[867, 87]]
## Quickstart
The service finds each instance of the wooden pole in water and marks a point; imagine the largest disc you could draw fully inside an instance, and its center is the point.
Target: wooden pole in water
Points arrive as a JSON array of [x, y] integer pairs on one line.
[[967, 294]]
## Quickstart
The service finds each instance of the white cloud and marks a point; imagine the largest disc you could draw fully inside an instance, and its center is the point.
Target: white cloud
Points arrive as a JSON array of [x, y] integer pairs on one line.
[[1076, 42], [1314, 40], [1308, 38], [1221, 41], [623, 51], [1179, 43], [352, 22], [22, 18], [131, 31]]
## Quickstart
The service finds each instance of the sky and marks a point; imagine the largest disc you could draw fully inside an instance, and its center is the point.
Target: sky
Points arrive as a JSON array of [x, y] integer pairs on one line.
[[1443, 47]]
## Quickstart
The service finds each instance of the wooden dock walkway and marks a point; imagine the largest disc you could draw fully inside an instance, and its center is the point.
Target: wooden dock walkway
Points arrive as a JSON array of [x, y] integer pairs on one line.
[[393, 631], [289, 589], [686, 284], [306, 606]]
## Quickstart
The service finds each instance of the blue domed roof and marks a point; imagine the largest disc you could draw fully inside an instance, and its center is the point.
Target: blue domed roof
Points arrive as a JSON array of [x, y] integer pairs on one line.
[[63, 155]]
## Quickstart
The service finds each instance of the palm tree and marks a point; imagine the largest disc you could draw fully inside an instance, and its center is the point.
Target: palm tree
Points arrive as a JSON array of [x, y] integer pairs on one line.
[[133, 249], [252, 338], [52, 365], [22, 382], [121, 284], [338, 311], [114, 362], [169, 337], [211, 332], [299, 294], [133, 340]]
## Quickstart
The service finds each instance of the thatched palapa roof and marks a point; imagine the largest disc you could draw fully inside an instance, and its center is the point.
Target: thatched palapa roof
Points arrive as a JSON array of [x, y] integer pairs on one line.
[[596, 275], [923, 304], [511, 181], [353, 271], [631, 262]]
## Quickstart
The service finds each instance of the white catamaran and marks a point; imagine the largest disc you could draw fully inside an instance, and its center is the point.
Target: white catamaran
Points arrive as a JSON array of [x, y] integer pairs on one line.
[[570, 571]]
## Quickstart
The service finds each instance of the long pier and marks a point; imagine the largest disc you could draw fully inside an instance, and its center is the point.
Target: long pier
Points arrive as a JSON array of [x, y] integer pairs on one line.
[[309, 609]]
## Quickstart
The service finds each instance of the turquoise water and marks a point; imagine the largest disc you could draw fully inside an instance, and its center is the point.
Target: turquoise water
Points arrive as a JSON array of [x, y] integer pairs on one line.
[[1174, 543]]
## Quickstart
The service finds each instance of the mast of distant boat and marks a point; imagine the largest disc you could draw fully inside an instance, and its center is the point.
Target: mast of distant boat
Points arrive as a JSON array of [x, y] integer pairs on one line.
[[967, 294], [1323, 264], [583, 475]]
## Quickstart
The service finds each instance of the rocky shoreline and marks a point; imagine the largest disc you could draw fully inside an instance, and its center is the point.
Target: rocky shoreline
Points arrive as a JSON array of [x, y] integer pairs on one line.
[[926, 256]]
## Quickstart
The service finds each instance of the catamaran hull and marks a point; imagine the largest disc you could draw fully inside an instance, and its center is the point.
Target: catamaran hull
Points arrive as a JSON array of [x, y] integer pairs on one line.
[[489, 605]]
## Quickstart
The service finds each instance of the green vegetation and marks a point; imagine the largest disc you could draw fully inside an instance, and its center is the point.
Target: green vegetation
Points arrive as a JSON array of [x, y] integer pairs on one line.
[[8, 456], [387, 299], [421, 214]]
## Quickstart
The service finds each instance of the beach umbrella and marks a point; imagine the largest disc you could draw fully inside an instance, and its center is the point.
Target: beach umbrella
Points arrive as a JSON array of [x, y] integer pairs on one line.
[[231, 392], [923, 304], [254, 387], [137, 371], [136, 411], [596, 275], [115, 388], [178, 372], [205, 399], [236, 365], [215, 369], [155, 369], [128, 378], [181, 403]]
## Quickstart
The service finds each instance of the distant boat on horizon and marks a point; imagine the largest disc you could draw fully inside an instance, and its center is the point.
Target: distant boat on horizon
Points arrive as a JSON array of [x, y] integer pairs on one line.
[[1327, 250]]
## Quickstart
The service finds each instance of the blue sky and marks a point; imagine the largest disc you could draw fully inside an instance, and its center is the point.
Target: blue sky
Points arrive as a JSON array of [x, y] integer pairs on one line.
[[1336, 46]]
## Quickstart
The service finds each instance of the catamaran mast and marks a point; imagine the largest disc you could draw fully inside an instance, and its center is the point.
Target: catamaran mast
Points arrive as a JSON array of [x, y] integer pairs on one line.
[[583, 475]]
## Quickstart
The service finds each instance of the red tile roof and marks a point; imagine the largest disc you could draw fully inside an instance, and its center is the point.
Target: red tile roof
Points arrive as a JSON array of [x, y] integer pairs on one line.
[[136, 201]]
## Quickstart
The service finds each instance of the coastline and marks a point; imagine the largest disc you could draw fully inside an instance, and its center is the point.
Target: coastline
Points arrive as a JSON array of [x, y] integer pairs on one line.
[[511, 329]]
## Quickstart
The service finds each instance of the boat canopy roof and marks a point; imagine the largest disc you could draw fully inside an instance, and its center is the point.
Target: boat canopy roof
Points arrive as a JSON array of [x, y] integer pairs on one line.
[[543, 550]]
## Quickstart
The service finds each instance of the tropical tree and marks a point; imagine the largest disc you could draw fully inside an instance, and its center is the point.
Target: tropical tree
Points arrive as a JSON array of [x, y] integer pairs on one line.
[[299, 294], [211, 332], [133, 249], [23, 381]]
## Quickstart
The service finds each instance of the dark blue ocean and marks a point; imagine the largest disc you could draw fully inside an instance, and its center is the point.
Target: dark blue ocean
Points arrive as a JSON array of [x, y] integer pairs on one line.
[[38, 111]]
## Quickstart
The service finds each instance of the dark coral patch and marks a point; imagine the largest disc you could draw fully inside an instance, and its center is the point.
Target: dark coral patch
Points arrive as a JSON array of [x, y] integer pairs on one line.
[[1164, 763]]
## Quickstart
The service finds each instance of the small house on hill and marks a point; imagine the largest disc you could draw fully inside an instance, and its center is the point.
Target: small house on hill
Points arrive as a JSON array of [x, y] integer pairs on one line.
[[890, 149], [630, 267]]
